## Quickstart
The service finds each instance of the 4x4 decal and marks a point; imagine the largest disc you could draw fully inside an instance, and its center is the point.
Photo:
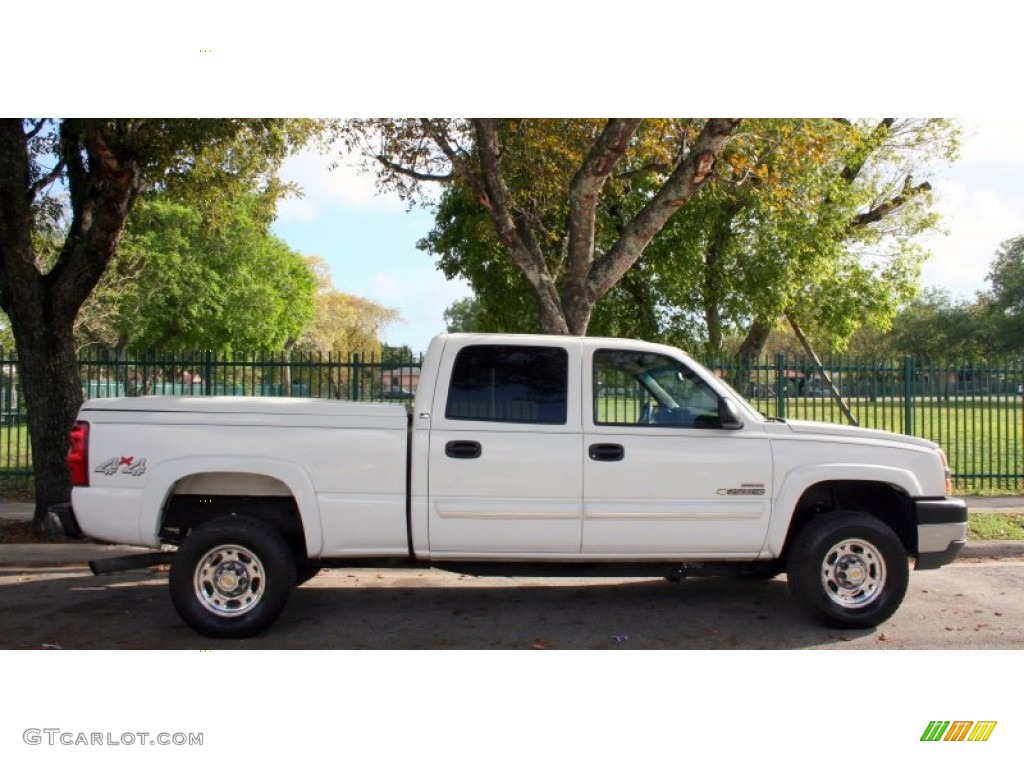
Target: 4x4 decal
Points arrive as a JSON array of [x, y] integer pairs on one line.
[[128, 465]]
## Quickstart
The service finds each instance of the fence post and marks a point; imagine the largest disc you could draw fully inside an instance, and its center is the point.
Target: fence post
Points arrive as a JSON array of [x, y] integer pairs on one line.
[[908, 395], [208, 372], [355, 377], [780, 386]]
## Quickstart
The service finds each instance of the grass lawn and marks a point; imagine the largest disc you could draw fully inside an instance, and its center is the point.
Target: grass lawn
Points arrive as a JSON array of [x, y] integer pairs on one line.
[[996, 526], [15, 457]]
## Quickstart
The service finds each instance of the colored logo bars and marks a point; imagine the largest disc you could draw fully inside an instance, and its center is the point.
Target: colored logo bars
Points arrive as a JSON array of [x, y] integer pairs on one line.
[[958, 730]]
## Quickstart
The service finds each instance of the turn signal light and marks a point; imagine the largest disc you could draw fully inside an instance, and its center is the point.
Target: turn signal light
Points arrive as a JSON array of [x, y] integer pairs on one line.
[[948, 473]]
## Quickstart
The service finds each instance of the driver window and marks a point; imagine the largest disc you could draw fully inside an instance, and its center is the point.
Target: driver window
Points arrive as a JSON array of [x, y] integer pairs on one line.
[[648, 389]]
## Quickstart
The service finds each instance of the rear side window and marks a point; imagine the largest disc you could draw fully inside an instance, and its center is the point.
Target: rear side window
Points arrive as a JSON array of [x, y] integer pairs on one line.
[[502, 382]]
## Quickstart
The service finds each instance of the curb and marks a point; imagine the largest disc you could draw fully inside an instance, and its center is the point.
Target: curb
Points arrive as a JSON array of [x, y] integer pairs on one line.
[[992, 549]]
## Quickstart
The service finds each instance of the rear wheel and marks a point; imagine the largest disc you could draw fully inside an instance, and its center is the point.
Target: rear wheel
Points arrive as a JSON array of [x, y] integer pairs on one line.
[[849, 569], [231, 577]]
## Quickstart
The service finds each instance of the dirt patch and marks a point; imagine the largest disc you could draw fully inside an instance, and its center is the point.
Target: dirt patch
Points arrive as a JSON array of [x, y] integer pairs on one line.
[[19, 532]]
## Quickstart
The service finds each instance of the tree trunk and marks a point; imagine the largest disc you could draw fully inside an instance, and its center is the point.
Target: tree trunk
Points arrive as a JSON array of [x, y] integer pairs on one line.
[[756, 338], [48, 369], [102, 184], [714, 279]]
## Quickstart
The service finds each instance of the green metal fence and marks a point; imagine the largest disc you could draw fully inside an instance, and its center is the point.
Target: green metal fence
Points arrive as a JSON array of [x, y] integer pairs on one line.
[[201, 373], [975, 411]]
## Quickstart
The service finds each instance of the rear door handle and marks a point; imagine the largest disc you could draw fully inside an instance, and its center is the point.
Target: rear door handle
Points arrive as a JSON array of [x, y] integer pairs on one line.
[[463, 449], [607, 452]]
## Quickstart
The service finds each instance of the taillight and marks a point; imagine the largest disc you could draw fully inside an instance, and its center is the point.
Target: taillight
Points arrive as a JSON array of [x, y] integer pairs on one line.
[[78, 453]]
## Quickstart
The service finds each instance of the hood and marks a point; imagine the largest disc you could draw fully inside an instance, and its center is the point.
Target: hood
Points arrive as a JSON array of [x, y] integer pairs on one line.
[[844, 432]]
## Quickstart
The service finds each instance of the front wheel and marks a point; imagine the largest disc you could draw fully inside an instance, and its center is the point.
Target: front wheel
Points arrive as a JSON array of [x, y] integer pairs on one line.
[[848, 568], [231, 577]]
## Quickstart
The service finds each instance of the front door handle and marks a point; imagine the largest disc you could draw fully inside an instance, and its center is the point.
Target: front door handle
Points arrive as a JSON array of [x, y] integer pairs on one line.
[[607, 452], [463, 449]]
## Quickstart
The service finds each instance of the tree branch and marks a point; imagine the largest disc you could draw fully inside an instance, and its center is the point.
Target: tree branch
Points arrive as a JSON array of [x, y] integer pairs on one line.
[[514, 233], [418, 175], [690, 175], [45, 181], [882, 210], [878, 134], [585, 192]]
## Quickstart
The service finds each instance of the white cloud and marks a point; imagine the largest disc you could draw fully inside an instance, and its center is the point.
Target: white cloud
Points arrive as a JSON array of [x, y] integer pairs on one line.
[[978, 220], [323, 185], [993, 141]]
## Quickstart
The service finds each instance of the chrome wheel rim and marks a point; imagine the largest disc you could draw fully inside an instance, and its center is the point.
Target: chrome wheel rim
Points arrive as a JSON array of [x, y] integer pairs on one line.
[[853, 573], [229, 580]]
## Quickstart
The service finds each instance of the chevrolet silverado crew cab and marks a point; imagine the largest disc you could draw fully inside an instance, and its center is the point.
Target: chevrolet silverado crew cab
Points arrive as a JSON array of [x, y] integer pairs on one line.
[[533, 455]]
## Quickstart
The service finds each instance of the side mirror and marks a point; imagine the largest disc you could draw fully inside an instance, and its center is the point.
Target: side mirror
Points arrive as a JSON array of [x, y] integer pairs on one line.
[[729, 416]]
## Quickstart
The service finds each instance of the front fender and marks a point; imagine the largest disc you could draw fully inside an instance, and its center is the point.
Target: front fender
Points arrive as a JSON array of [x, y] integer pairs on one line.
[[796, 482], [164, 476]]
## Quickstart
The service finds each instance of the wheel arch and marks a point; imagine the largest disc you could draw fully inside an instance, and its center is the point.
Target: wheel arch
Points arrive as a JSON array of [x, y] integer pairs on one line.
[[887, 497], [279, 490]]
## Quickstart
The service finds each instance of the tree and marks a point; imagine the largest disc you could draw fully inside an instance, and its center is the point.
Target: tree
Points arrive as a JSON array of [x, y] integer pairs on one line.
[[543, 183], [181, 280], [462, 316], [817, 230], [1007, 295], [850, 258], [934, 326], [67, 187], [344, 324]]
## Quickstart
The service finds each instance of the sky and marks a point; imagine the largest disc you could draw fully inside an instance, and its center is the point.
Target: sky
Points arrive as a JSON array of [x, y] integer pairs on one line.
[[369, 240]]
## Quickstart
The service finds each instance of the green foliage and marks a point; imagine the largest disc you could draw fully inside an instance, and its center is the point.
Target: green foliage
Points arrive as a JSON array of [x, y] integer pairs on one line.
[[6, 337], [938, 327], [462, 316], [180, 280], [1007, 296], [815, 217]]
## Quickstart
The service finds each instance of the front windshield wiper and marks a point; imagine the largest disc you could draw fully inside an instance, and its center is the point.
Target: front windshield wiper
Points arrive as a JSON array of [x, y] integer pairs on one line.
[[773, 418]]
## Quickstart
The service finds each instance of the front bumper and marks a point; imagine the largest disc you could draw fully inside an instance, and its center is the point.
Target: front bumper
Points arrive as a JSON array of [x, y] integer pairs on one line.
[[941, 531]]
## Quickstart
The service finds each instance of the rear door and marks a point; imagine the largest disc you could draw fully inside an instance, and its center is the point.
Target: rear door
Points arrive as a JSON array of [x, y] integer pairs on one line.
[[505, 469]]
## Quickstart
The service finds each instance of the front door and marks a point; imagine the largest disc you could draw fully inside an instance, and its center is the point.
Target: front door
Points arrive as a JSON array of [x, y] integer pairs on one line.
[[661, 477]]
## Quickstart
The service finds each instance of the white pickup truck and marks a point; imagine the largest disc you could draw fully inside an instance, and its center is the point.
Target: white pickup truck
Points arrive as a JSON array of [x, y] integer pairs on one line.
[[522, 455]]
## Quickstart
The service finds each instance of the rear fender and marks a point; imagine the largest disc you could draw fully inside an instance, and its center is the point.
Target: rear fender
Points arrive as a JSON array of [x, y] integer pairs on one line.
[[163, 477]]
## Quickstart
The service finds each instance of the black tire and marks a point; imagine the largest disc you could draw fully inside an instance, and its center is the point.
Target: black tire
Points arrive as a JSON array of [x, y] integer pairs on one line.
[[231, 577], [848, 569]]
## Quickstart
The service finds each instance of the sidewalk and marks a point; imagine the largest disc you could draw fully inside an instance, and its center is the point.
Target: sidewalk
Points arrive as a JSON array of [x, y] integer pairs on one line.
[[72, 552]]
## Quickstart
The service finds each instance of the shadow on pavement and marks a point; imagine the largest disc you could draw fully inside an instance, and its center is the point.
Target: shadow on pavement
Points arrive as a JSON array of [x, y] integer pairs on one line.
[[72, 609]]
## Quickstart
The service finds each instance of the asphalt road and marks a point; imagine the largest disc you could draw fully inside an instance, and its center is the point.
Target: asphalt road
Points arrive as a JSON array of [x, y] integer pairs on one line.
[[967, 605]]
